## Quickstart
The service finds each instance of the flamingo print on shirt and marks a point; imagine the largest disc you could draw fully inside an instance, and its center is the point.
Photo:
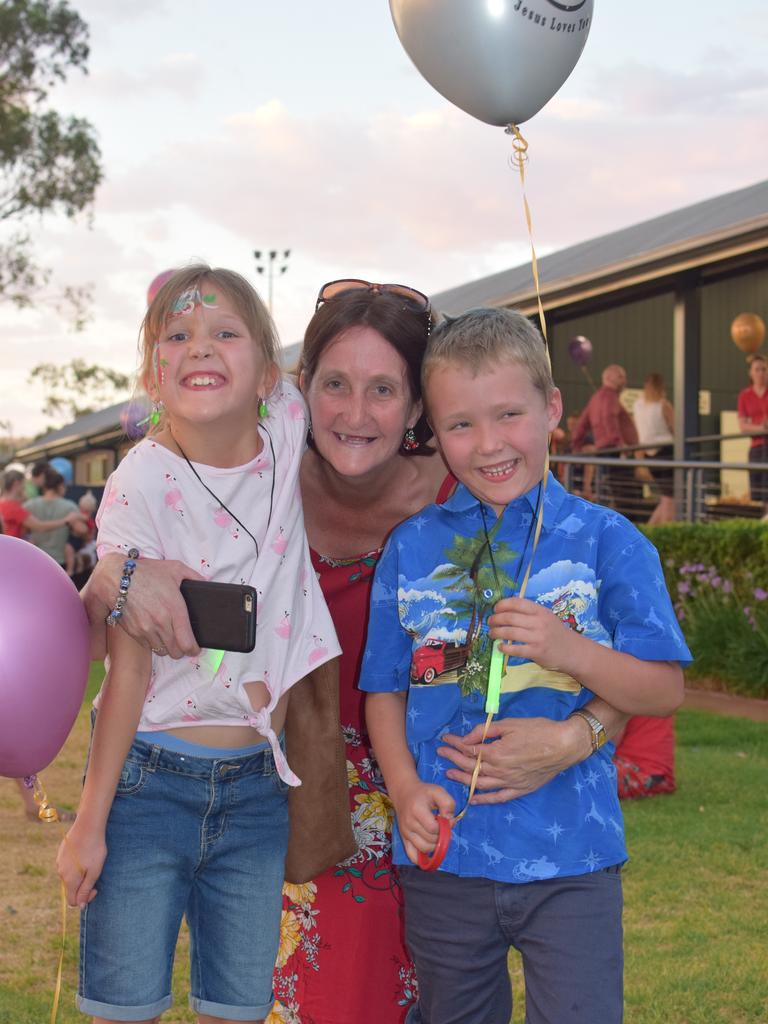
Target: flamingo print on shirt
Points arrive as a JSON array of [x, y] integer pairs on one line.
[[224, 521], [173, 495], [284, 628], [320, 651]]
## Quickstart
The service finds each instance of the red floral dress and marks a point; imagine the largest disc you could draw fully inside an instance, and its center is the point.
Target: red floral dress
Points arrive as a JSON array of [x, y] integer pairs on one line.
[[342, 957]]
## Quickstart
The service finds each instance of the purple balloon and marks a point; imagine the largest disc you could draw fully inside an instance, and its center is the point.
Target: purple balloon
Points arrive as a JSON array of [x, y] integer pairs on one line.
[[580, 350], [44, 657], [134, 419]]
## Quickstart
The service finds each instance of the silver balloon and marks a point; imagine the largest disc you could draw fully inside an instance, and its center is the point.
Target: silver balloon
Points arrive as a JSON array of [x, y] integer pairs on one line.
[[499, 60]]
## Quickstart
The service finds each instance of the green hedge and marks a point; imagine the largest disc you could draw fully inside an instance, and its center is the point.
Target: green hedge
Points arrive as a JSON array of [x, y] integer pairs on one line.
[[717, 575]]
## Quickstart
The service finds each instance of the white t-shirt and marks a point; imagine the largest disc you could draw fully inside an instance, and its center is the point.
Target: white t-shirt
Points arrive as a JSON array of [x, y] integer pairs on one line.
[[154, 502], [651, 426]]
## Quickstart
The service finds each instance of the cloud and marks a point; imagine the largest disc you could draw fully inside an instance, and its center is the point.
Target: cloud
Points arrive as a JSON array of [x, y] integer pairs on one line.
[[179, 74]]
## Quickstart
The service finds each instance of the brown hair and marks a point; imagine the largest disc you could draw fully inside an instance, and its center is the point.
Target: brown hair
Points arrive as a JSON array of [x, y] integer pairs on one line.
[[9, 478], [653, 388], [241, 293], [52, 480], [406, 331]]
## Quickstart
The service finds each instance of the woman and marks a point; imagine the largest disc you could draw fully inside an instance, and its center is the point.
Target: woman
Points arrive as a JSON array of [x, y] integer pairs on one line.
[[655, 420], [367, 467]]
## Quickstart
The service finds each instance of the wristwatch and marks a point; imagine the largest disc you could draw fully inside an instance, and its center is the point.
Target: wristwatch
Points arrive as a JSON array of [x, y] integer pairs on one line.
[[599, 735]]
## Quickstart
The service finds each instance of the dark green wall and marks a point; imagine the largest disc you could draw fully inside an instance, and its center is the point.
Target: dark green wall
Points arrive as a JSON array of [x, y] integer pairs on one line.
[[638, 335]]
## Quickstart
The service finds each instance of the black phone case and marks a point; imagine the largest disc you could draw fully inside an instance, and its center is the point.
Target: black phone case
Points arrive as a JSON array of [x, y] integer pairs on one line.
[[222, 615]]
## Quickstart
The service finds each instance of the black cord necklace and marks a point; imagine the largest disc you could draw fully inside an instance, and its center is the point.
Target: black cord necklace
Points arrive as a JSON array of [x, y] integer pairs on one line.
[[218, 499], [488, 542]]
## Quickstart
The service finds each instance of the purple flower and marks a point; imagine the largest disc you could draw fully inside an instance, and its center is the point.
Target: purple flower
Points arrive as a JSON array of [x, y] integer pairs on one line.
[[716, 581], [727, 587], [683, 588], [760, 594]]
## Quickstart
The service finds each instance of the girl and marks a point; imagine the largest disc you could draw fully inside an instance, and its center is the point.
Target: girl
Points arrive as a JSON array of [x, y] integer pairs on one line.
[[188, 815]]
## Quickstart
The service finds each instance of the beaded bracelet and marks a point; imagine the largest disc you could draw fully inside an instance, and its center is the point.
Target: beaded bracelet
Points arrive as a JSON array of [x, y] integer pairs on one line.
[[125, 581]]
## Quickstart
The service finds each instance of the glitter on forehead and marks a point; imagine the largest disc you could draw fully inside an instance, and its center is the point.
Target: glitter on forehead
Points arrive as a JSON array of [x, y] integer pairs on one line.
[[187, 301]]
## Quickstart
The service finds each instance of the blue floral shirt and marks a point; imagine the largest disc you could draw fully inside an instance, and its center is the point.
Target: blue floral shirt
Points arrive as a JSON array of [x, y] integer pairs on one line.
[[434, 588]]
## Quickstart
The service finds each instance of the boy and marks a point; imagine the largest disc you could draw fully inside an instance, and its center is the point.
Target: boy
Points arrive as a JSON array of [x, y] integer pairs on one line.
[[541, 872]]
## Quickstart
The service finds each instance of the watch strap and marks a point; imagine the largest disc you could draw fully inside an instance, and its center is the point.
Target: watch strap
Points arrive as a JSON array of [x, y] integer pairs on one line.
[[599, 736]]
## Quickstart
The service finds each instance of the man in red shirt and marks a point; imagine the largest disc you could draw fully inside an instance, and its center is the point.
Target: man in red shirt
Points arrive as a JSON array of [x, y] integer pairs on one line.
[[611, 426], [753, 419]]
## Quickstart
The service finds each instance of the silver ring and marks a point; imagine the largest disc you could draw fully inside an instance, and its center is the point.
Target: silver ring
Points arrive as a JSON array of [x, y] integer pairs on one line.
[[159, 650]]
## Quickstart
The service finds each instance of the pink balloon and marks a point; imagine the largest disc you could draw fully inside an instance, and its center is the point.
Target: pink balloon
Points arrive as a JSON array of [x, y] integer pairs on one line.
[[44, 657], [157, 284]]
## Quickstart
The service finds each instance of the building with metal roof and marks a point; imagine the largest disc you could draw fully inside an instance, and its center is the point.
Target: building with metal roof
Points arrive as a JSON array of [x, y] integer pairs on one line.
[[659, 296]]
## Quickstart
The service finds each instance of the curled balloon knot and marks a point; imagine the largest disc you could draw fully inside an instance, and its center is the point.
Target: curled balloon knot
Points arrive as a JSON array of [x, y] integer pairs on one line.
[[519, 146], [45, 810]]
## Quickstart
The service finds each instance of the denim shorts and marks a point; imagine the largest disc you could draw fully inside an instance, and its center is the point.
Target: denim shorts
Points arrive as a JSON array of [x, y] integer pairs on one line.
[[195, 837]]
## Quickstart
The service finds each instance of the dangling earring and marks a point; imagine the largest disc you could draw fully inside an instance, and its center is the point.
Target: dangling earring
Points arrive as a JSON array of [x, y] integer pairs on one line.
[[263, 410], [409, 440], [309, 429], [154, 415]]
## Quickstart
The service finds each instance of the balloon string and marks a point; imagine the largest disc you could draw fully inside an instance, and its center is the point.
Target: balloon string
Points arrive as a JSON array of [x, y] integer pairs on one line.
[[518, 159], [588, 375], [505, 662], [47, 812]]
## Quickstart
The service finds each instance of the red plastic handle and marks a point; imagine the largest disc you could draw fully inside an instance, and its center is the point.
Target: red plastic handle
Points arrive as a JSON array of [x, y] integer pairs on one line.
[[432, 861]]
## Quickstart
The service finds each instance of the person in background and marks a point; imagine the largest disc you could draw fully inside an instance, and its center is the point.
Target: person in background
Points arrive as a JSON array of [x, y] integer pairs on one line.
[[611, 426], [33, 486], [752, 410], [85, 547], [18, 519], [562, 444], [655, 420], [52, 505], [645, 757]]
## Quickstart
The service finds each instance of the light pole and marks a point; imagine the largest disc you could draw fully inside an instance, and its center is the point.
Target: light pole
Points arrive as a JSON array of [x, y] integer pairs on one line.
[[270, 262]]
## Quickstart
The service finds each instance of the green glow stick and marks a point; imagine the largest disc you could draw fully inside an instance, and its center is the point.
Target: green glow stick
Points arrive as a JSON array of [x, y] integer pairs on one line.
[[216, 659], [495, 673]]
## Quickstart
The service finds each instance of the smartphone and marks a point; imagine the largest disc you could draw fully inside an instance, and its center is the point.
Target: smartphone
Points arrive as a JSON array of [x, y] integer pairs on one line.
[[222, 615]]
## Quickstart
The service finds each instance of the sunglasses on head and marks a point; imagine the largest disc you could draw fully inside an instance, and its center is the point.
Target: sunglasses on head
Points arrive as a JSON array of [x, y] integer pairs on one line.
[[414, 300]]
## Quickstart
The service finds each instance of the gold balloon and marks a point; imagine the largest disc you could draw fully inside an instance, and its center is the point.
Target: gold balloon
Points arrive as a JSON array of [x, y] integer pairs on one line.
[[748, 332]]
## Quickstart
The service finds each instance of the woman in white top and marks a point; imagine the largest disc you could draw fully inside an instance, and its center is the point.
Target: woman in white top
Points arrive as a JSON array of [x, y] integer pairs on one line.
[[654, 419]]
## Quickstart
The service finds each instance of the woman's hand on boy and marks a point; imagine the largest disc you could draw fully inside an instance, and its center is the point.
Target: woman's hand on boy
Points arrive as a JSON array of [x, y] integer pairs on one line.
[[529, 630], [79, 862], [520, 755], [415, 807]]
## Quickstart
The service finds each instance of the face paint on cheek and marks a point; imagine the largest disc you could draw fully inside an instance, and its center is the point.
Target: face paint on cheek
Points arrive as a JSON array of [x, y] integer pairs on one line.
[[158, 365]]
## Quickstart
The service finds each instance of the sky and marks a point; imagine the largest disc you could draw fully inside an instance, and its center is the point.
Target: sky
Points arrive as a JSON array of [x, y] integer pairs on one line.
[[248, 124]]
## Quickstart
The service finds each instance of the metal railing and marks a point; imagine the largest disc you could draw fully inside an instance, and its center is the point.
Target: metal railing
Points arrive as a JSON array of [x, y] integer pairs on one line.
[[698, 490]]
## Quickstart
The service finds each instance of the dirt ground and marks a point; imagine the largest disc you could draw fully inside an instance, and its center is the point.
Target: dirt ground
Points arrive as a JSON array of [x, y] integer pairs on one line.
[[726, 704]]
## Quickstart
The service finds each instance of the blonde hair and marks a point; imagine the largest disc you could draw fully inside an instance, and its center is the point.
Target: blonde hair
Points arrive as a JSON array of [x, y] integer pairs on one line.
[[483, 336], [243, 296]]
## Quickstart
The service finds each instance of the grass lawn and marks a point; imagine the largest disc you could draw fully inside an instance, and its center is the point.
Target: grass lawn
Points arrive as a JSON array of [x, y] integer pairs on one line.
[[696, 918]]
